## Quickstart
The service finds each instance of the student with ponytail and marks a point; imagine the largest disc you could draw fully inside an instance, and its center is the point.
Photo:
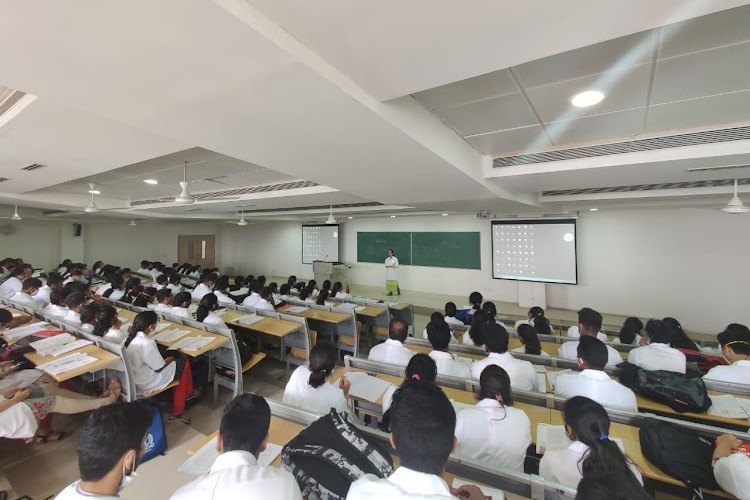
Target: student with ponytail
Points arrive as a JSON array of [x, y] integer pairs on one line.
[[308, 387], [146, 298], [534, 316], [592, 451], [117, 289], [151, 371], [88, 316], [205, 312], [421, 367], [474, 336], [531, 344], [108, 325]]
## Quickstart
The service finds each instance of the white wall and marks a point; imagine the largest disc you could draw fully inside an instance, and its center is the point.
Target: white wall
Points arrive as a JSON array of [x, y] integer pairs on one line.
[[270, 248], [37, 242]]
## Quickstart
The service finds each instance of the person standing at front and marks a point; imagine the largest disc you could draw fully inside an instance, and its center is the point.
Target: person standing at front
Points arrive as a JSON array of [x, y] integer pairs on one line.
[[391, 277]]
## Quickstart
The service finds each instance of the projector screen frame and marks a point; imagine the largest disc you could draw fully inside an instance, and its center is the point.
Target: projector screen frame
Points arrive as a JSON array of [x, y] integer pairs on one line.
[[561, 220], [322, 224]]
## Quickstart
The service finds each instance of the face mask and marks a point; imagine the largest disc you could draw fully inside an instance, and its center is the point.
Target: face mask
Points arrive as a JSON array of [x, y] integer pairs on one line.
[[127, 479]]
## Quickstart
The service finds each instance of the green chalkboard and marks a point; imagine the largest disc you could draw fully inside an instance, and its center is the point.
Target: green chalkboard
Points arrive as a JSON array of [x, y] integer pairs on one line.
[[373, 247], [446, 249]]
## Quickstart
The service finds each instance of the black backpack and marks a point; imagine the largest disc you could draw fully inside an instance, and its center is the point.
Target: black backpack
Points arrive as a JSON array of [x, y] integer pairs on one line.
[[679, 452], [330, 454], [679, 392]]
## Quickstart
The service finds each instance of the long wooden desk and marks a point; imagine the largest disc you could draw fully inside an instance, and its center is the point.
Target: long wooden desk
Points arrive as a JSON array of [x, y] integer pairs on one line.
[[317, 315], [268, 326], [103, 359]]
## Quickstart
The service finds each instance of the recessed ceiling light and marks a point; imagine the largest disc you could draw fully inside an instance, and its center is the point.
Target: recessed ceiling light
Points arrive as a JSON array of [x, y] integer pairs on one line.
[[593, 209], [445, 215], [350, 218], [393, 216], [94, 191], [588, 98], [151, 181]]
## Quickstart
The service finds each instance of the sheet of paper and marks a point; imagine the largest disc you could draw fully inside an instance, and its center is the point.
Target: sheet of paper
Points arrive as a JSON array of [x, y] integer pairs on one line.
[[367, 387], [62, 349], [203, 459], [248, 319], [728, 406], [359, 308], [52, 342], [553, 437], [192, 343], [162, 326], [171, 335], [66, 363], [541, 382], [346, 305], [297, 309], [23, 331], [488, 492]]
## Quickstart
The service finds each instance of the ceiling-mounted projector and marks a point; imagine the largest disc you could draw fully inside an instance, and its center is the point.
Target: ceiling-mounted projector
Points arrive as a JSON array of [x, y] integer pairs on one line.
[[486, 214]]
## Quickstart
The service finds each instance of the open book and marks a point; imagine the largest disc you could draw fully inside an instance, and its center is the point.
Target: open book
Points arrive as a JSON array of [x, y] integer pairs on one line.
[[553, 437]]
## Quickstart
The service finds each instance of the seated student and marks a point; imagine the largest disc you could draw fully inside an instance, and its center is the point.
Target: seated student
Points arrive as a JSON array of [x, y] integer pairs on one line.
[[436, 318], [450, 314], [677, 336], [392, 351], [589, 323], [110, 449], [735, 346], [307, 295], [204, 287], [221, 290], [56, 308], [88, 316], [161, 282], [74, 302], [284, 292], [322, 299], [96, 269], [655, 353], [422, 422], [252, 299], [14, 283], [439, 335], [235, 474], [493, 431], [316, 291], [22, 410], [163, 301], [205, 312], [630, 332], [340, 293], [180, 305], [612, 485], [74, 275], [475, 301], [531, 319], [108, 325], [133, 293], [574, 331], [147, 298], [54, 282], [521, 373], [587, 425], [145, 269], [491, 311], [63, 267], [421, 367], [25, 296], [195, 272], [313, 288], [291, 281], [731, 466], [593, 382], [308, 387], [530, 340], [266, 300], [116, 290], [151, 372], [175, 284]]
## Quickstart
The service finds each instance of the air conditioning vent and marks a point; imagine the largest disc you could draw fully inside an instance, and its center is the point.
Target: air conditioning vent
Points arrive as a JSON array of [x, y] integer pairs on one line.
[[317, 207], [33, 166], [233, 192], [655, 143], [9, 98], [647, 187]]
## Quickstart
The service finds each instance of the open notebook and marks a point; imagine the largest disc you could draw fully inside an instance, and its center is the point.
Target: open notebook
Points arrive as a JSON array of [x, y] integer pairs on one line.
[[553, 437], [203, 459]]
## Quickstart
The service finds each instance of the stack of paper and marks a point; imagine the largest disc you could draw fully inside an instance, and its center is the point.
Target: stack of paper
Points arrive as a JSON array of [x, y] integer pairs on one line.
[[297, 309], [23, 331], [248, 319], [729, 406], [203, 459], [59, 344], [366, 387], [67, 363], [359, 308], [171, 335], [488, 492], [192, 343]]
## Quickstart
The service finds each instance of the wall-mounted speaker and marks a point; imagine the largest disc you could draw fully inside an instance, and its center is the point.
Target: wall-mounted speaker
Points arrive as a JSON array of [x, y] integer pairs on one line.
[[77, 229]]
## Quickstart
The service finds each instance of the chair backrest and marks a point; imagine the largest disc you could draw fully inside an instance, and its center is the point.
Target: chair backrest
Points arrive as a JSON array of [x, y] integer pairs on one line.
[[299, 339], [348, 328], [193, 323], [89, 336], [267, 314], [228, 357], [125, 372], [179, 320]]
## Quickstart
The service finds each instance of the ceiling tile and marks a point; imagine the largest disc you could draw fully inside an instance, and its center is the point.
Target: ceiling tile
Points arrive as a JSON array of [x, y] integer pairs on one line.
[[510, 141], [708, 111], [706, 32], [500, 113], [612, 126], [474, 89], [619, 53], [702, 74], [623, 89]]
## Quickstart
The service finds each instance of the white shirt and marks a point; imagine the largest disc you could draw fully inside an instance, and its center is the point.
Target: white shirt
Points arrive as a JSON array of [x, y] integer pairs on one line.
[[223, 298], [236, 475], [494, 434], [55, 311], [343, 295], [9, 287], [392, 352], [522, 350], [403, 484], [447, 365], [42, 295], [658, 357], [17, 422], [214, 320], [264, 305], [596, 385], [637, 340], [116, 294], [453, 321], [163, 308], [390, 272], [73, 492], [569, 350], [145, 359], [73, 318], [199, 291], [737, 373], [251, 300], [175, 288], [564, 466], [115, 336], [521, 373], [24, 299], [574, 333], [733, 474], [181, 312], [103, 288], [300, 393]]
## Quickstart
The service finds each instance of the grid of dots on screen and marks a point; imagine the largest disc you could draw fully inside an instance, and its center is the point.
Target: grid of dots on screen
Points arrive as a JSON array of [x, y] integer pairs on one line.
[[312, 243], [514, 250]]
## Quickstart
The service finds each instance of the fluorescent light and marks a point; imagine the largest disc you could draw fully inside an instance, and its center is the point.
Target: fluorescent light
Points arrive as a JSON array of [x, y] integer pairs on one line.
[[445, 215], [588, 98], [151, 181], [393, 216], [94, 191], [593, 209], [350, 218]]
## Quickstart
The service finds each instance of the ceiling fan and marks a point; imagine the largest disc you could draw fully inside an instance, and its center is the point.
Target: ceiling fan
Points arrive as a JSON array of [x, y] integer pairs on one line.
[[15, 215], [242, 221], [331, 219], [735, 205], [185, 198]]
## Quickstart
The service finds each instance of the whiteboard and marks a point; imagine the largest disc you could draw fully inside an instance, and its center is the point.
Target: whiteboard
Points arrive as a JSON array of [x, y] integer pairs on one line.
[[535, 250], [320, 242]]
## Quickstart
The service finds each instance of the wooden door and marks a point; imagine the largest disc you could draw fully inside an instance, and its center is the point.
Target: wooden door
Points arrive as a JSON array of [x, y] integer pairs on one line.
[[199, 250]]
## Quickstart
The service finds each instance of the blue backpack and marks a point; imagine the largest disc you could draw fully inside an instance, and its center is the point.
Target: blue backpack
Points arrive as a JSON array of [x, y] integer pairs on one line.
[[156, 440]]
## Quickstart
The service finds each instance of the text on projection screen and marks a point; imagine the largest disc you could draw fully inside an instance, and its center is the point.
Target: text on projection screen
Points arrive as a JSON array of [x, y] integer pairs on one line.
[[529, 251], [320, 243]]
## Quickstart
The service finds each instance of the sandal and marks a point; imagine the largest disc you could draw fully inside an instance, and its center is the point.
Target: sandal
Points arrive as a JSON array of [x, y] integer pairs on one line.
[[185, 420], [40, 440]]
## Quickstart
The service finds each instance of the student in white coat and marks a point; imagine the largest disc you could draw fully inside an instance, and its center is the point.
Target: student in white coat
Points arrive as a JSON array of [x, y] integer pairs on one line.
[[521, 373], [440, 337], [589, 323], [536, 312], [450, 315], [74, 302], [587, 425], [252, 299], [54, 282], [308, 387], [391, 275], [175, 284], [204, 286], [221, 290], [530, 340], [735, 346], [421, 367], [181, 304], [437, 318], [422, 425], [593, 382], [25, 296], [630, 333], [110, 449], [56, 308], [236, 474], [474, 336], [731, 466], [163, 301], [493, 431], [655, 352], [266, 300], [116, 291], [206, 311], [108, 325], [392, 351], [14, 283]]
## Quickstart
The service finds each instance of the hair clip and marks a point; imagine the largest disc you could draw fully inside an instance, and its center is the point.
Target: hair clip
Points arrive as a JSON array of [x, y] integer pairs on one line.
[[603, 437], [416, 377]]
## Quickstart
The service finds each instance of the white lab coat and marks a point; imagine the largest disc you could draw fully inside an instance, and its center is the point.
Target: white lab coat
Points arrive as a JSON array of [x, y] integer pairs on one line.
[[224, 299], [264, 305], [9, 287], [145, 359], [522, 350], [569, 350], [403, 484], [448, 365], [55, 311], [733, 474], [42, 295], [251, 300], [17, 422], [24, 299], [392, 352], [214, 320], [117, 294], [73, 318], [658, 357], [163, 308], [103, 288], [596, 385], [182, 312], [301, 394], [115, 336], [390, 272], [236, 475], [737, 373], [494, 434], [73, 492], [199, 291], [175, 288], [521, 372]]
